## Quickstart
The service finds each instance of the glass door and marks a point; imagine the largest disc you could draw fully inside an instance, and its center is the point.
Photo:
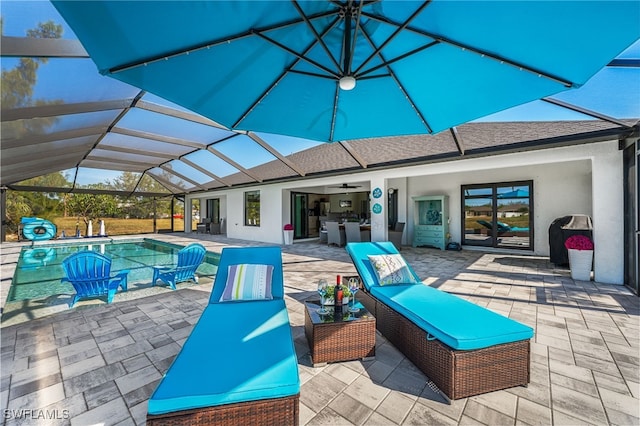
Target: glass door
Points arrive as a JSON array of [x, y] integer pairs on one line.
[[631, 218], [498, 215], [479, 221], [300, 220], [213, 210], [513, 214]]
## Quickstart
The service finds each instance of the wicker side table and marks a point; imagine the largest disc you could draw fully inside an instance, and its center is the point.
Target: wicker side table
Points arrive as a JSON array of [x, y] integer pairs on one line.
[[339, 335]]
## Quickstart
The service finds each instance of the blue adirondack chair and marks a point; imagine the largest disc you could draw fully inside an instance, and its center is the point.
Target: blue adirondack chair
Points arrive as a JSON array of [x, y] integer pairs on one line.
[[90, 274], [189, 258]]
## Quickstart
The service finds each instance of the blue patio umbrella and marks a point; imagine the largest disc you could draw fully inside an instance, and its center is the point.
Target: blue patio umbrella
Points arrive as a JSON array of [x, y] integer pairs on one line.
[[340, 70]]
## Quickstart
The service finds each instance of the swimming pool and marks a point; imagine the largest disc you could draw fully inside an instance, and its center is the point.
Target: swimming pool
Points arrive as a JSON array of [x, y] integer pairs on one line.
[[39, 269]]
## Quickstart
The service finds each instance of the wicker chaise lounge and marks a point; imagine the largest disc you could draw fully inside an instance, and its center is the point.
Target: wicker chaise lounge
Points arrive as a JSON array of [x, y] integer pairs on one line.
[[463, 348], [239, 365]]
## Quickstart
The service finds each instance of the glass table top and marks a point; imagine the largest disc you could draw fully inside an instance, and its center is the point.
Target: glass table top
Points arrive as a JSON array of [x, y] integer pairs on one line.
[[335, 315]]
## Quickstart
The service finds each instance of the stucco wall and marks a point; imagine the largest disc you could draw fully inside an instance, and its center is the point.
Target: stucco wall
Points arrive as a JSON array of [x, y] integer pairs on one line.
[[559, 189], [581, 179]]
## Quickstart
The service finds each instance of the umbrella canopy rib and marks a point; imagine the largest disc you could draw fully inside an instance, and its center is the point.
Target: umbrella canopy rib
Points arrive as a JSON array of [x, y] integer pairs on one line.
[[397, 31], [300, 56], [315, 33], [362, 75], [483, 53], [281, 77], [413, 105], [212, 43], [349, 59]]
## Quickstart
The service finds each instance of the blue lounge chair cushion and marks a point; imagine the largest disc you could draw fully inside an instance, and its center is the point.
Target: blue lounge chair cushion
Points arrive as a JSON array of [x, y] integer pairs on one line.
[[224, 359], [456, 322], [258, 255]]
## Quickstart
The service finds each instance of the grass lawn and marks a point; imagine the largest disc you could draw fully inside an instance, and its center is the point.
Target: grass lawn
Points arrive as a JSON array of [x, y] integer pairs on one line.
[[115, 226]]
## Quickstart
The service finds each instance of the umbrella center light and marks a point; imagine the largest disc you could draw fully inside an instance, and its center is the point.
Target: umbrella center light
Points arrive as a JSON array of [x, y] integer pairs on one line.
[[347, 82]]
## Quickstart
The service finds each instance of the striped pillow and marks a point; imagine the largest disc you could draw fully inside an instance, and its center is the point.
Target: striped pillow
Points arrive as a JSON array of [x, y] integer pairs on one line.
[[391, 269], [248, 282]]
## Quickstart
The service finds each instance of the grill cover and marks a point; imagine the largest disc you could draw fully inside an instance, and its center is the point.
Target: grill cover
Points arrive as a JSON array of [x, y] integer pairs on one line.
[[561, 229]]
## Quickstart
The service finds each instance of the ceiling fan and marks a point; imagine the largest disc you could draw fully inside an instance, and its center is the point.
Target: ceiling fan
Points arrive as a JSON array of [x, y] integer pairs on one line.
[[346, 186]]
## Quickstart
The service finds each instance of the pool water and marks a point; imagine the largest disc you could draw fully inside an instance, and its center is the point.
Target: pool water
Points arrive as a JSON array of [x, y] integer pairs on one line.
[[39, 269]]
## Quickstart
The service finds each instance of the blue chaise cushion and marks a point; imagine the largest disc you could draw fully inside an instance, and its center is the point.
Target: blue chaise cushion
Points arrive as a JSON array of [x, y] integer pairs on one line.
[[456, 322], [224, 359]]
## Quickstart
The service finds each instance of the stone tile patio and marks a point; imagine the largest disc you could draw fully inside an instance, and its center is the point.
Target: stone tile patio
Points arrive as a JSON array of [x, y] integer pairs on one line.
[[98, 363]]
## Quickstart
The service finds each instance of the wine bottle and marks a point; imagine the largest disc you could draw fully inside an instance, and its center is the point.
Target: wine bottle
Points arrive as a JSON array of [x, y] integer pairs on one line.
[[339, 294]]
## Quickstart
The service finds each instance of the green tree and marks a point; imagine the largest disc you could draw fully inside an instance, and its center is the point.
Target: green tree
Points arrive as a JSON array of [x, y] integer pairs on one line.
[[16, 91], [92, 206], [18, 84], [138, 206]]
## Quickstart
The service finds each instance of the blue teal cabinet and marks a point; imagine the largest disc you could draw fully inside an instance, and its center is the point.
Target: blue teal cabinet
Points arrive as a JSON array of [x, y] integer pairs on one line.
[[431, 221]]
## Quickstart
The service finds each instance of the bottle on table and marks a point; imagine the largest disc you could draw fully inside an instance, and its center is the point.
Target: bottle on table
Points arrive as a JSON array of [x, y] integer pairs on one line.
[[339, 292]]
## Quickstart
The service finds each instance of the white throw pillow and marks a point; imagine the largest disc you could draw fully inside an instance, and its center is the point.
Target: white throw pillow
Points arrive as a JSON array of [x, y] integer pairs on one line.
[[391, 269]]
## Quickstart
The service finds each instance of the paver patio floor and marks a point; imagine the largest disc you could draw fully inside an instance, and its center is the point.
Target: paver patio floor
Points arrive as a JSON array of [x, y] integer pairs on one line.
[[98, 363]]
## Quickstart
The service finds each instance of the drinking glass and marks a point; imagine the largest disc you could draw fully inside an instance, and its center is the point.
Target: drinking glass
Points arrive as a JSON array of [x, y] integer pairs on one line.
[[353, 287], [322, 290]]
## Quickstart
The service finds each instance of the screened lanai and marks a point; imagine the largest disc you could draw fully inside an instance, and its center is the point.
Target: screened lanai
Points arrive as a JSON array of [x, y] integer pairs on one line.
[[59, 114]]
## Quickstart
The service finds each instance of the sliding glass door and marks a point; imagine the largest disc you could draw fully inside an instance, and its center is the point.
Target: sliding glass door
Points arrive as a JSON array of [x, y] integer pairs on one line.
[[498, 215], [213, 210]]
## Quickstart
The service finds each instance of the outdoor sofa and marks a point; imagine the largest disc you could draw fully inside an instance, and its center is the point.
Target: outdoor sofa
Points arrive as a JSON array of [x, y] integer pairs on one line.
[[463, 348], [238, 365]]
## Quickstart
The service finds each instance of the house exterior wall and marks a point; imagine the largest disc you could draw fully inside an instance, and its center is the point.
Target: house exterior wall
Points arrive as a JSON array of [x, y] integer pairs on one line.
[[579, 179]]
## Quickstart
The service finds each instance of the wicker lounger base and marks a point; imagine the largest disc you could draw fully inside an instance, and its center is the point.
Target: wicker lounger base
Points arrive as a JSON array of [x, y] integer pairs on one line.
[[458, 374], [276, 411]]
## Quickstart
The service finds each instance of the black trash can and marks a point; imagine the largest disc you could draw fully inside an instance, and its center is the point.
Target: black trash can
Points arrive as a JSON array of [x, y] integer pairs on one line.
[[561, 229]]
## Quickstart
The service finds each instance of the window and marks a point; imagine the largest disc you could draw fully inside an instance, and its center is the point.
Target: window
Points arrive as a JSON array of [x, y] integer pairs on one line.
[[252, 208], [498, 215]]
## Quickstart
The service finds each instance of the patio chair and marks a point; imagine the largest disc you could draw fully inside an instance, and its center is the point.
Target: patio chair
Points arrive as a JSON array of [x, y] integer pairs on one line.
[[323, 231], [395, 235], [90, 275], [352, 232], [189, 258], [252, 377], [464, 348], [204, 226], [334, 234]]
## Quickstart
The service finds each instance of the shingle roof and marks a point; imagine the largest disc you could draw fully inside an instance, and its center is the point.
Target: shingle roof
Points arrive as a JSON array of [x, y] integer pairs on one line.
[[479, 139]]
